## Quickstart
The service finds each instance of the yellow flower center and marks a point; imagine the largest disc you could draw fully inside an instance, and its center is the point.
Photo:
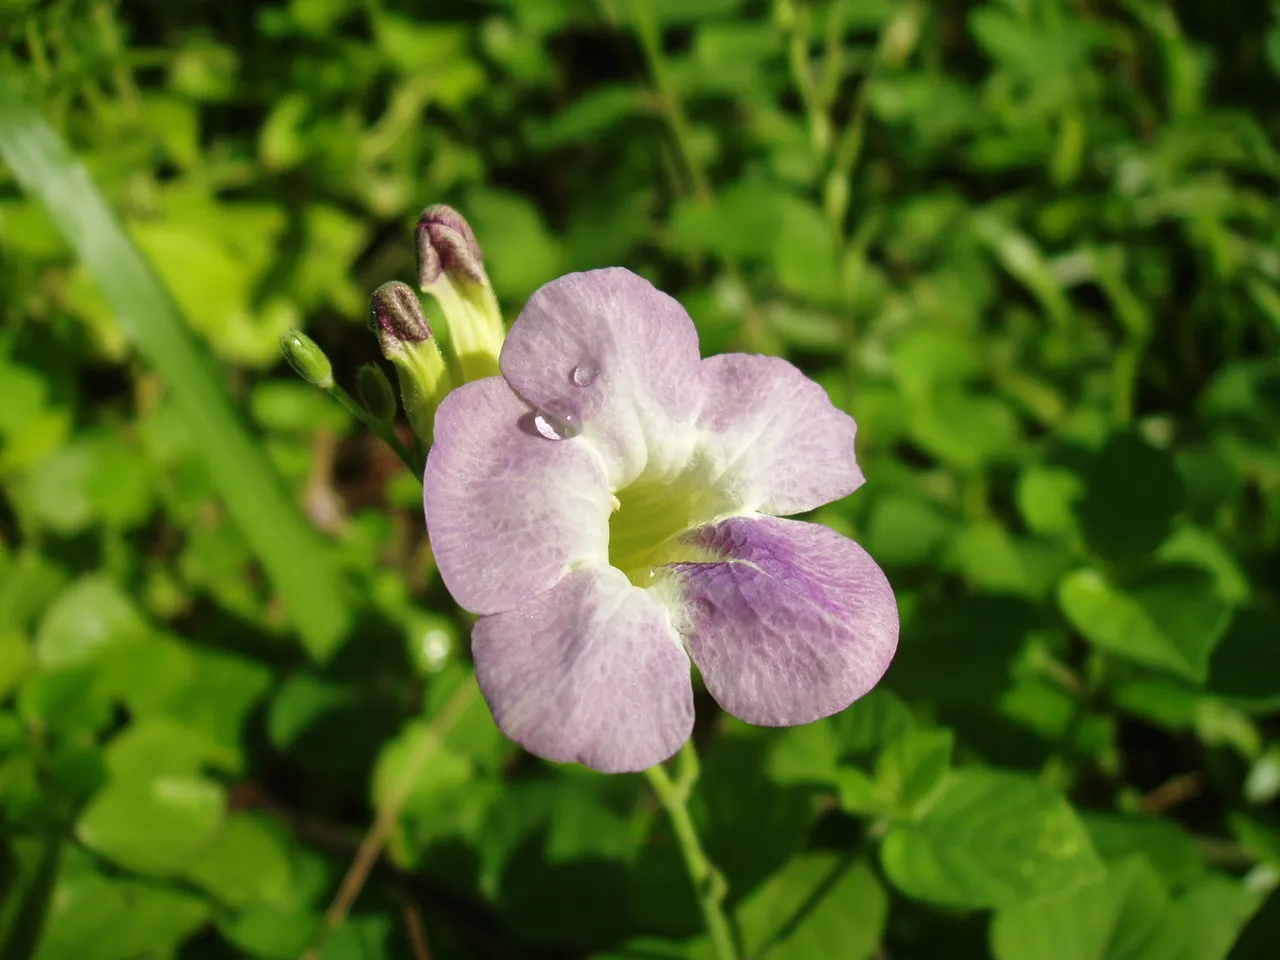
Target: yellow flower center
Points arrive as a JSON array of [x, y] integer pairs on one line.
[[653, 511]]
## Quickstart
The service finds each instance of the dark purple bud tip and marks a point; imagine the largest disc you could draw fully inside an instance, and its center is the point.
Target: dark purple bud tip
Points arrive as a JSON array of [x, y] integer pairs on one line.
[[397, 312], [446, 242]]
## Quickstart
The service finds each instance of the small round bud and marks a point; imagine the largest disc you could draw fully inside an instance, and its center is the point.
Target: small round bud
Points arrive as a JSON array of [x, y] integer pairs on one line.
[[307, 359], [396, 313], [446, 243], [376, 393]]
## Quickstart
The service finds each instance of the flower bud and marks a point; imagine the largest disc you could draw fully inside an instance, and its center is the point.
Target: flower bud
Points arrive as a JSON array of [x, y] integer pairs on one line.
[[397, 313], [405, 338], [376, 393], [446, 242], [451, 269], [307, 359]]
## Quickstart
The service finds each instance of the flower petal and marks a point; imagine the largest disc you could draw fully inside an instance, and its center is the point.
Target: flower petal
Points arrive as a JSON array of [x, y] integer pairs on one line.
[[507, 510], [793, 625], [591, 671], [774, 436], [607, 350]]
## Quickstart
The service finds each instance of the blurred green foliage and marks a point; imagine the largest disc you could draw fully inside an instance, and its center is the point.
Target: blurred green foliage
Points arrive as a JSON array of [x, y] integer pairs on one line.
[[1032, 245]]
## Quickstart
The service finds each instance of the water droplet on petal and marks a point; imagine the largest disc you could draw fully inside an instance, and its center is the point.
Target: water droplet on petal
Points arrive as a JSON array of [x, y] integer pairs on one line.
[[585, 373], [556, 426]]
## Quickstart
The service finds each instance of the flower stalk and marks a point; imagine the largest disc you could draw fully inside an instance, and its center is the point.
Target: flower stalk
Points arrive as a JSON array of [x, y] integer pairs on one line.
[[708, 882], [313, 366], [383, 430]]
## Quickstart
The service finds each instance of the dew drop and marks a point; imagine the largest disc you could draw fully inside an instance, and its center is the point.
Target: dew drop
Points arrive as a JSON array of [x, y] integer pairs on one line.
[[556, 426], [585, 373]]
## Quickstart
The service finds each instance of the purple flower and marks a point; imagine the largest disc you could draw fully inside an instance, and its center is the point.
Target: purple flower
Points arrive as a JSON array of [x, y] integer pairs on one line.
[[609, 506]]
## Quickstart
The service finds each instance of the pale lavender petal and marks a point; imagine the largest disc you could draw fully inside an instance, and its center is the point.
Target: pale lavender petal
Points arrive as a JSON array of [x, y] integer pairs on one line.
[[591, 671], [608, 352], [774, 437], [507, 511], [793, 625]]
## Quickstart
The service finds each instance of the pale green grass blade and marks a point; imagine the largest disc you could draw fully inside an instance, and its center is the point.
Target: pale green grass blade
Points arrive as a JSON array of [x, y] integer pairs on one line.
[[299, 568]]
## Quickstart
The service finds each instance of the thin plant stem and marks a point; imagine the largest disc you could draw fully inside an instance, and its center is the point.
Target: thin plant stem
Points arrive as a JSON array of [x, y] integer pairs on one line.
[[389, 813], [708, 882], [650, 36], [651, 42], [384, 431], [122, 76], [811, 96]]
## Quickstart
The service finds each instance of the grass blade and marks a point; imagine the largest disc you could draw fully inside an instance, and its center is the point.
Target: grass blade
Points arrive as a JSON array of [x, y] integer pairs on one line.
[[294, 558]]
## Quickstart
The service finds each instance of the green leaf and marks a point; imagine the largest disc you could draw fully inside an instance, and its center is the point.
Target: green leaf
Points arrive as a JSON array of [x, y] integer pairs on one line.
[[1046, 498], [157, 810], [92, 616], [581, 901], [300, 569], [959, 650], [806, 254], [926, 358], [651, 948], [28, 583], [438, 769], [1247, 661], [994, 561], [15, 659], [299, 702], [1132, 492], [245, 863], [113, 919], [271, 932], [159, 745], [1262, 785], [590, 116], [94, 479], [220, 693], [1024, 260], [777, 819], [584, 826], [804, 754], [989, 838], [905, 530], [153, 826], [1164, 845], [1126, 914], [877, 719], [913, 766], [1197, 547], [861, 795], [1172, 621], [1215, 912], [816, 907], [363, 937], [1257, 838], [213, 288], [965, 430]]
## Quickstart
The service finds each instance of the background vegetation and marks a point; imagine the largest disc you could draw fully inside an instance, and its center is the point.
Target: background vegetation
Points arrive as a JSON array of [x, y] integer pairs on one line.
[[1032, 245]]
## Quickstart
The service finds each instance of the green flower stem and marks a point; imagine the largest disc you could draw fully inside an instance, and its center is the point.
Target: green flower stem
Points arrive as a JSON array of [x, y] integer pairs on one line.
[[708, 882], [383, 431], [650, 36], [646, 26]]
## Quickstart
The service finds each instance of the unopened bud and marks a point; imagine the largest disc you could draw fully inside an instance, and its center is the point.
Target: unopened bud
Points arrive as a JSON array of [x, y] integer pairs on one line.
[[397, 313], [446, 242], [376, 393], [405, 338], [307, 359], [451, 269]]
